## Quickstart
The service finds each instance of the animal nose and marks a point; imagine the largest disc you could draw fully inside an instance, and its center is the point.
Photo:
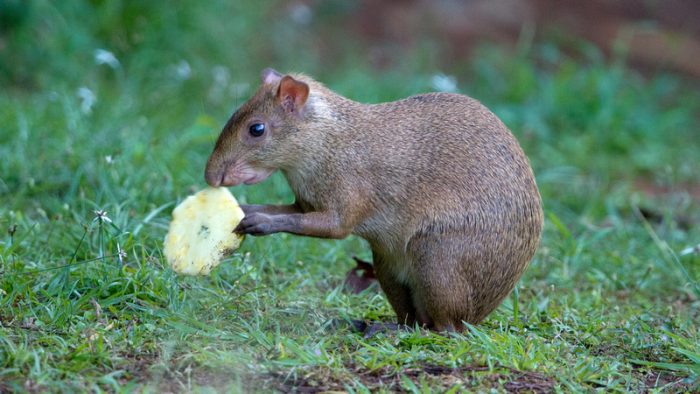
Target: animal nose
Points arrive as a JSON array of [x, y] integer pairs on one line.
[[213, 177]]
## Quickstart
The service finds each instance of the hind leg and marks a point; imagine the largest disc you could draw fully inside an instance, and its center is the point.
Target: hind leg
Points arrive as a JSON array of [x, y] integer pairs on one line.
[[398, 294], [436, 309], [439, 307], [448, 280]]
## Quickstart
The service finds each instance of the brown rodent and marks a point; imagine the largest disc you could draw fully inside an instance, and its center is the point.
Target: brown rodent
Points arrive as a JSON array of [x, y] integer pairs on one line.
[[435, 183]]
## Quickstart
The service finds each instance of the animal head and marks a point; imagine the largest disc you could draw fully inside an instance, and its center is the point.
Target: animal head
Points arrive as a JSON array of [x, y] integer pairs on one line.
[[257, 138]]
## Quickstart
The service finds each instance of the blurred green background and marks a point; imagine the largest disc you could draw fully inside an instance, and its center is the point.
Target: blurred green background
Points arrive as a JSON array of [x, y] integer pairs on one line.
[[581, 104], [115, 105]]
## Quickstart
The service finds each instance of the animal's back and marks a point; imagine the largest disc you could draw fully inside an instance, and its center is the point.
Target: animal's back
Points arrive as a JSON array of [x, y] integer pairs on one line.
[[446, 161]]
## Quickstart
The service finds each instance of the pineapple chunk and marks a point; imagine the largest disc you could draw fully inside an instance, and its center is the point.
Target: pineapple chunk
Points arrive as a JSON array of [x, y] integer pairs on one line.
[[201, 232]]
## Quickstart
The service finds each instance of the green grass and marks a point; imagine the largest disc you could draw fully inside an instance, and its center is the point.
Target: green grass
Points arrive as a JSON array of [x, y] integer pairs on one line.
[[608, 303]]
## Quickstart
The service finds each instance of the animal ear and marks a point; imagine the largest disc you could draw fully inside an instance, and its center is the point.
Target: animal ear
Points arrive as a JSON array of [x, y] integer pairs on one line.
[[270, 76], [292, 94]]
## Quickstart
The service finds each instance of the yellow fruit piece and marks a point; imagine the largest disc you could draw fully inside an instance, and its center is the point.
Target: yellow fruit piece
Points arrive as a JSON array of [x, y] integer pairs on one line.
[[201, 232]]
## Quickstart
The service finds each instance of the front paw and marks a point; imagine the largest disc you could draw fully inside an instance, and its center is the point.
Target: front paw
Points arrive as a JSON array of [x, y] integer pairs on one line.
[[256, 224]]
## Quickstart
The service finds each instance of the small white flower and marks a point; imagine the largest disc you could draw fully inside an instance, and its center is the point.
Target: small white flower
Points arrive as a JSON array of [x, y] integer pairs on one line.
[[87, 99], [103, 56], [691, 250], [220, 74], [101, 215], [444, 83], [221, 81], [109, 159], [121, 255], [301, 13], [183, 70]]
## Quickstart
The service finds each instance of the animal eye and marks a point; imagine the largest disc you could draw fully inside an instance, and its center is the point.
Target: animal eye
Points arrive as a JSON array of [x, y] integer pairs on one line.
[[257, 129]]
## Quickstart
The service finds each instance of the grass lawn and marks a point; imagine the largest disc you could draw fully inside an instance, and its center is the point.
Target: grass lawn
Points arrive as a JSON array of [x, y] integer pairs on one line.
[[97, 147]]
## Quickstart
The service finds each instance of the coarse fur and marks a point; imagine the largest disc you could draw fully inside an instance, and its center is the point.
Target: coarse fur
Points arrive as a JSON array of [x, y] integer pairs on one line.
[[436, 184]]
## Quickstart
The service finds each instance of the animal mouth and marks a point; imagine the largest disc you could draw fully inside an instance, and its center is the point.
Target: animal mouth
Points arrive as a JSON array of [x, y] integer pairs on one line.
[[244, 174], [259, 176], [234, 173]]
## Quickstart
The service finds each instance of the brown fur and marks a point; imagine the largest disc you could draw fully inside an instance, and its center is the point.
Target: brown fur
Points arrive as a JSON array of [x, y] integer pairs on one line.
[[435, 183]]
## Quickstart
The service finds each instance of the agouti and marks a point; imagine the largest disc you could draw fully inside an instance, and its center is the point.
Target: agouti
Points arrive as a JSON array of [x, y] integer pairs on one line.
[[436, 184]]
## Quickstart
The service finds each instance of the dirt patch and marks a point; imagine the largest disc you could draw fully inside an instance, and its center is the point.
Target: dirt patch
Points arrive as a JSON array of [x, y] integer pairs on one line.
[[147, 370], [661, 195], [29, 386], [137, 370], [655, 37], [655, 216], [444, 378], [653, 189], [670, 382]]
